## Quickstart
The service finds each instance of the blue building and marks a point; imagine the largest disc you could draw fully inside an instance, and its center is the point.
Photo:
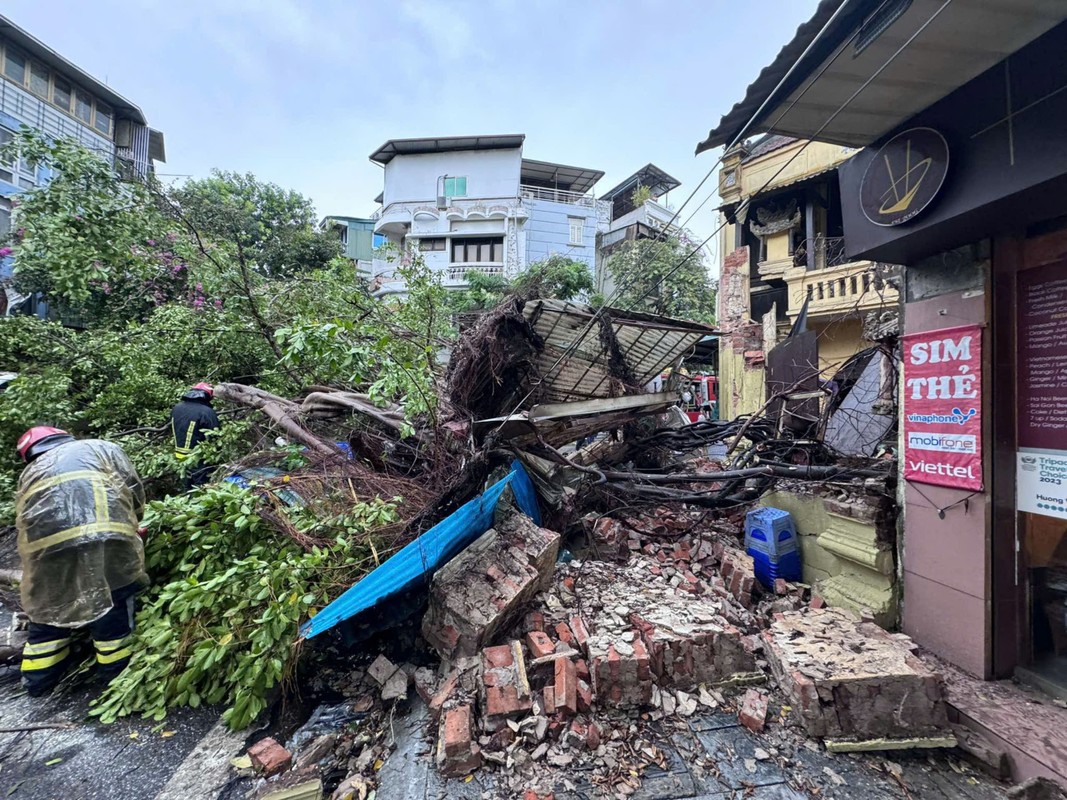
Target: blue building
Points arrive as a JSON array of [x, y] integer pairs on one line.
[[40, 89]]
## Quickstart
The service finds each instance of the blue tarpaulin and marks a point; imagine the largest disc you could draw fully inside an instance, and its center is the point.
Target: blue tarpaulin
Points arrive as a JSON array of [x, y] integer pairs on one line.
[[421, 558]]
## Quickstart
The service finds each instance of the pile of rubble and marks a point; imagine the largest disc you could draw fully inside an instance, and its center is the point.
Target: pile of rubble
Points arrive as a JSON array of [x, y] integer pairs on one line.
[[545, 664]]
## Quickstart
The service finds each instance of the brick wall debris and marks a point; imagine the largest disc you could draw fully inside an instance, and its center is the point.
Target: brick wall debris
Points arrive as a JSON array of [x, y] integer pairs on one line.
[[847, 678], [483, 588]]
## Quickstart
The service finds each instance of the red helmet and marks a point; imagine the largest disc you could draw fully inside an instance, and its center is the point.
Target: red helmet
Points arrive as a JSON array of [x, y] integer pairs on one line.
[[206, 388], [36, 436]]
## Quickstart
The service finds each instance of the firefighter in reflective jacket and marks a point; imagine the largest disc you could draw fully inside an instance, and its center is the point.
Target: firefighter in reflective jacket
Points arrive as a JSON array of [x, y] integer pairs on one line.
[[77, 505], [190, 420]]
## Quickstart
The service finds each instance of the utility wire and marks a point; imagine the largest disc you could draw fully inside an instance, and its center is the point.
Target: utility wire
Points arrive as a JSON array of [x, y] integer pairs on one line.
[[748, 200], [570, 349]]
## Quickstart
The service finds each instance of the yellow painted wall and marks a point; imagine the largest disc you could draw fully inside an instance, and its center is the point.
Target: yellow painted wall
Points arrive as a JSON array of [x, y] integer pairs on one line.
[[778, 246], [841, 557], [813, 159], [838, 341], [741, 389]]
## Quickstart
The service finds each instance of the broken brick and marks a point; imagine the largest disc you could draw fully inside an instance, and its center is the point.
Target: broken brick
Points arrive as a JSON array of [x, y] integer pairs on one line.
[[582, 668], [539, 644], [781, 588], [269, 758], [581, 633], [566, 685], [563, 631], [456, 753], [753, 711], [592, 738], [847, 678], [585, 697], [535, 621], [549, 696], [505, 685], [444, 692]]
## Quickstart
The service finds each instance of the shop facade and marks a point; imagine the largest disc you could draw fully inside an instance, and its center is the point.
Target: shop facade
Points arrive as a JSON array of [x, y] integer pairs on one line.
[[971, 195]]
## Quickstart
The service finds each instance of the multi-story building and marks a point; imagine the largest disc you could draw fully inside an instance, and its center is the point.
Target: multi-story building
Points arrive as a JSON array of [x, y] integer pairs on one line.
[[475, 203], [784, 252], [42, 90], [358, 239], [636, 213]]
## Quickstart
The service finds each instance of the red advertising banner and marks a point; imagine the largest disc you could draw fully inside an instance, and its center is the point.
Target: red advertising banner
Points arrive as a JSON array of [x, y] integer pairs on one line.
[[943, 407]]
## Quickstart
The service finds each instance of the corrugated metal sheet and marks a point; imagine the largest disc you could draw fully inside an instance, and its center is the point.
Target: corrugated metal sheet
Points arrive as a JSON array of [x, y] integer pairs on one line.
[[417, 562], [646, 343]]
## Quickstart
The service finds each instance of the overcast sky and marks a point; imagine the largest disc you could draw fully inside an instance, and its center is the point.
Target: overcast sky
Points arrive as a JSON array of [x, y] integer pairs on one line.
[[300, 92]]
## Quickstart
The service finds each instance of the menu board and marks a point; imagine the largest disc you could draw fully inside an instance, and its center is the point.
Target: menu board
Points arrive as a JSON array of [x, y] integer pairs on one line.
[[1041, 484]]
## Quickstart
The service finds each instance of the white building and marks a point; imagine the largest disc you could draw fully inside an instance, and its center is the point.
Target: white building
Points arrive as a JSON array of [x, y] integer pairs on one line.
[[474, 203]]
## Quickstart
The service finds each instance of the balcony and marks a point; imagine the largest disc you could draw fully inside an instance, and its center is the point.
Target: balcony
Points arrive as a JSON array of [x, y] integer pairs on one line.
[[829, 252], [557, 196], [837, 287], [457, 273]]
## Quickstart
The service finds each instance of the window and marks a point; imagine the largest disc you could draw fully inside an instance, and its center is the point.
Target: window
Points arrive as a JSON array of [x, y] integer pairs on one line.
[[478, 251], [102, 121], [39, 80], [378, 240], [455, 187], [83, 107], [20, 171], [15, 65], [429, 245], [61, 94], [577, 229]]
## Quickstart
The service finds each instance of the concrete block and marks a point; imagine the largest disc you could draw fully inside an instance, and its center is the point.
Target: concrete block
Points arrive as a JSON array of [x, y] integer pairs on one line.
[[846, 678]]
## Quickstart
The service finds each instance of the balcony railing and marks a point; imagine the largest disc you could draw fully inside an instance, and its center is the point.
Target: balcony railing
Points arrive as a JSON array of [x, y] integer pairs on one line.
[[829, 252], [458, 272], [841, 290], [557, 196]]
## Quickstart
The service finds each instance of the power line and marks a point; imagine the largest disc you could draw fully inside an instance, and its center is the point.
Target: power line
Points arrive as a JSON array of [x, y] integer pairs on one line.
[[593, 319], [748, 200], [570, 349]]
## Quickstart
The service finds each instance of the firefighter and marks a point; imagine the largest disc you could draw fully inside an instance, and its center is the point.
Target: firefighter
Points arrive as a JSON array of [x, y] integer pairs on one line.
[[78, 506], [189, 421]]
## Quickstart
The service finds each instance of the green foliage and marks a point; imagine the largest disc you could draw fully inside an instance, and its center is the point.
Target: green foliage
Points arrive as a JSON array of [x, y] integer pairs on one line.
[[229, 592], [270, 227], [389, 349], [87, 233], [663, 276], [556, 277], [223, 280], [641, 195]]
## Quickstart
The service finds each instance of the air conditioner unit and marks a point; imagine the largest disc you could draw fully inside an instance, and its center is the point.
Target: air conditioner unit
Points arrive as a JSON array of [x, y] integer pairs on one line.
[[442, 201], [123, 133]]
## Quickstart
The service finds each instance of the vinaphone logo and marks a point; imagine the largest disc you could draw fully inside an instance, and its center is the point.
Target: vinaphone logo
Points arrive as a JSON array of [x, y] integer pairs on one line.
[[904, 176]]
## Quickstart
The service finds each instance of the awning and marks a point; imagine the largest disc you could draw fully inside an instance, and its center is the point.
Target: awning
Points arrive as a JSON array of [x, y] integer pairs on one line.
[[901, 59], [646, 344], [558, 176]]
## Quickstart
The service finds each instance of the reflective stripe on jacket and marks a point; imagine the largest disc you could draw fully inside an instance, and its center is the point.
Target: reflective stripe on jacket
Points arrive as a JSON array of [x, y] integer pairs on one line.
[[78, 508], [189, 421]]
